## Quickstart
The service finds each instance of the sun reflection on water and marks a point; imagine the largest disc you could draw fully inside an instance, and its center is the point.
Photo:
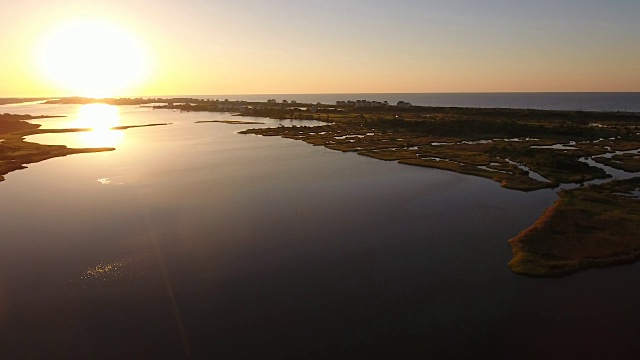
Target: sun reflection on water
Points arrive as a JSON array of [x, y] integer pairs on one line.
[[108, 181], [101, 118], [105, 270], [104, 181]]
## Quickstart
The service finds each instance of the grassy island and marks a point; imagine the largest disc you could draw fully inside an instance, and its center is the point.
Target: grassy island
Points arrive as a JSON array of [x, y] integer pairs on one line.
[[626, 162], [520, 149], [587, 227]]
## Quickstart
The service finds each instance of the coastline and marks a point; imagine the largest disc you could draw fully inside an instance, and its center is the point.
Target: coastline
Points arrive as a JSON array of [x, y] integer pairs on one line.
[[16, 152], [563, 101], [548, 248]]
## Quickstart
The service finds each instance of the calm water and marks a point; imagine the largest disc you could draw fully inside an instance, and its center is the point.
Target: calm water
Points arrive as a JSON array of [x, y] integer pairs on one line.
[[550, 101], [191, 240]]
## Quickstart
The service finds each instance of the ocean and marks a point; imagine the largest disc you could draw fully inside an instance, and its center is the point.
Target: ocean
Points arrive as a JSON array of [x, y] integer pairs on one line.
[[587, 101]]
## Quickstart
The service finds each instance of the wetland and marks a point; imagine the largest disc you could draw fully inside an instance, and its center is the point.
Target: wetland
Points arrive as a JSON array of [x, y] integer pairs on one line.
[[523, 150]]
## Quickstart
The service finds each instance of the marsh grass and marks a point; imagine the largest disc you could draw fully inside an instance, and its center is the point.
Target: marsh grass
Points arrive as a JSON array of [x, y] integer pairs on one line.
[[587, 227]]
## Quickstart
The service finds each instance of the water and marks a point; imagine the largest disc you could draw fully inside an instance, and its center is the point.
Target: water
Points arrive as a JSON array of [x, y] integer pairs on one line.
[[191, 239], [626, 102]]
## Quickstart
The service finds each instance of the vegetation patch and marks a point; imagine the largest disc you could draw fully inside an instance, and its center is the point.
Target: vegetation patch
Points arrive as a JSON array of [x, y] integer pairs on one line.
[[625, 162], [479, 142], [587, 227]]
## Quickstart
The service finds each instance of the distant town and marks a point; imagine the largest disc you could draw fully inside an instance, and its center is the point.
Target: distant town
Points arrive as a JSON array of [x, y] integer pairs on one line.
[[239, 105], [194, 104]]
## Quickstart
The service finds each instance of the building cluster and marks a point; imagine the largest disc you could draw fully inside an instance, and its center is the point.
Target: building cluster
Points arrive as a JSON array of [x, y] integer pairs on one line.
[[189, 104], [229, 106], [362, 103], [208, 105], [367, 103], [274, 101]]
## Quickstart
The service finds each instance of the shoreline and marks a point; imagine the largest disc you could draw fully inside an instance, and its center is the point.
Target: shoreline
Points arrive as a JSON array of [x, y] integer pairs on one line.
[[16, 152], [557, 244], [554, 153]]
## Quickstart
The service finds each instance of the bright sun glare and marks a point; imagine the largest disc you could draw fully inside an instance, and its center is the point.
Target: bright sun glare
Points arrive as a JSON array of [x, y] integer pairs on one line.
[[97, 117], [92, 58], [101, 118]]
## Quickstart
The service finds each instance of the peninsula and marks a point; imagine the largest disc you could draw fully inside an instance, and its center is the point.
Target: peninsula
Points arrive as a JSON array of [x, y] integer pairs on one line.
[[589, 226], [16, 152], [7, 101]]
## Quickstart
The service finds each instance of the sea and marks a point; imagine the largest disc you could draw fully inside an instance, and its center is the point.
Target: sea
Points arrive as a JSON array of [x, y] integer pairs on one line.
[[580, 101], [191, 241]]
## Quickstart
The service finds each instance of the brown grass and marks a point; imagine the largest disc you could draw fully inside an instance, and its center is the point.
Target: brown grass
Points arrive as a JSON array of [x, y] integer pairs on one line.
[[587, 227]]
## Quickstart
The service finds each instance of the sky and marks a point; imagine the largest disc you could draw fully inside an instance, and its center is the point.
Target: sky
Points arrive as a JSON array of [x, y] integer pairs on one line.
[[199, 47]]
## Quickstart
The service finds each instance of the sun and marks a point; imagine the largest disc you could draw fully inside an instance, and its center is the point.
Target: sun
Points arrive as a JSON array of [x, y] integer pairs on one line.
[[101, 119], [92, 58]]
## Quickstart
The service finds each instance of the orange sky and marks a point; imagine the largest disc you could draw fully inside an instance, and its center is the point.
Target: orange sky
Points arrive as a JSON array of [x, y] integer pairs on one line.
[[250, 46]]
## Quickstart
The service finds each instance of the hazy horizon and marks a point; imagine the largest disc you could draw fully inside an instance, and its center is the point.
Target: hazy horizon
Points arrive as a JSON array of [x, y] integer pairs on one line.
[[327, 93]]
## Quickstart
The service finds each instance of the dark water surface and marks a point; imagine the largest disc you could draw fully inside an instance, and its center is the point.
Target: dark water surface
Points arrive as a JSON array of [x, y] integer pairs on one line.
[[191, 240]]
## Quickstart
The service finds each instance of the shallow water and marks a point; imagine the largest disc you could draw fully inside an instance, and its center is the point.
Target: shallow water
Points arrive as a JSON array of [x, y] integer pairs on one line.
[[193, 239]]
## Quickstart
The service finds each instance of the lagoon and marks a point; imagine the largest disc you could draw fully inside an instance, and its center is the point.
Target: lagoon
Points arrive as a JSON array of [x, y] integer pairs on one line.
[[190, 240]]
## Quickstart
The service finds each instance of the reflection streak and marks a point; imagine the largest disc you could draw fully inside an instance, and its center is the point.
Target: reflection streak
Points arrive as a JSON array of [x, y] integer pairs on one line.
[[101, 118]]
